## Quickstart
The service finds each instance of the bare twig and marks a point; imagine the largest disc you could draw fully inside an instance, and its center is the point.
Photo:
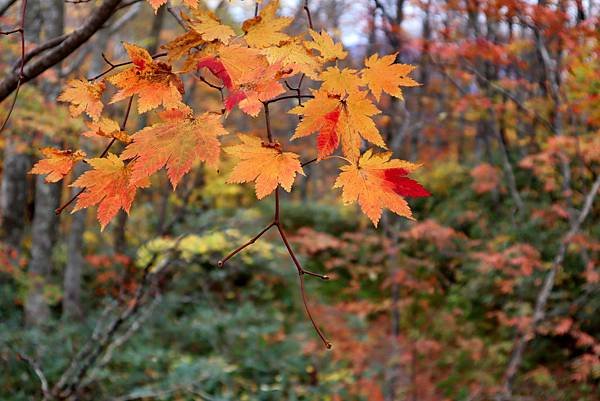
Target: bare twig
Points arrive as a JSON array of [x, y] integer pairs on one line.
[[176, 16], [5, 5], [86, 359], [112, 65], [21, 31], [35, 368], [540, 305]]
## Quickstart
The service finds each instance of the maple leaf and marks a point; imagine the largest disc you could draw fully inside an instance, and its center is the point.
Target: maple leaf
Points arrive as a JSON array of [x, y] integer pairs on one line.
[[292, 54], [340, 82], [156, 4], [347, 126], [251, 95], [265, 164], [376, 181], [381, 74], [323, 43], [234, 64], [191, 3], [84, 96], [57, 163], [264, 29], [151, 80], [217, 68], [208, 26], [176, 142], [181, 45], [107, 128], [107, 185]]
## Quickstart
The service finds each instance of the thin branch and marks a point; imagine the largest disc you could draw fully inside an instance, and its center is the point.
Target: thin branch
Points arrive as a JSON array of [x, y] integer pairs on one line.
[[268, 122], [308, 16], [277, 99], [85, 360], [177, 17], [112, 65], [40, 49], [21, 31], [5, 6], [276, 222], [35, 368], [79, 36], [240, 248], [306, 163]]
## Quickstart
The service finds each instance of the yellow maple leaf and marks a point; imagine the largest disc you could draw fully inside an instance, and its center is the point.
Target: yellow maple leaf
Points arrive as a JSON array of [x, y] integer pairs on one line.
[[208, 26], [340, 82], [153, 82], [382, 74], [292, 54], [264, 29], [376, 182], [323, 43], [175, 143], [84, 96], [107, 128], [265, 164], [57, 163], [338, 120], [181, 45], [107, 185]]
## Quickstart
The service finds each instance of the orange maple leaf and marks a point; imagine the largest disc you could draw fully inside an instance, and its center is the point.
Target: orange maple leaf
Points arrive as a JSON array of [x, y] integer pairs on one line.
[[265, 164], [84, 96], [338, 120], [234, 64], [107, 185], [57, 163], [378, 182], [382, 74], [151, 80], [156, 4], [252, 94], [264, 29], [176, 142]]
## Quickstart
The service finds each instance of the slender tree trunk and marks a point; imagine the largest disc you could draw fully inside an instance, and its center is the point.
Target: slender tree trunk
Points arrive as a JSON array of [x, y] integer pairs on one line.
[[43, 235], [75, 261], [47, 196], [13, 194]]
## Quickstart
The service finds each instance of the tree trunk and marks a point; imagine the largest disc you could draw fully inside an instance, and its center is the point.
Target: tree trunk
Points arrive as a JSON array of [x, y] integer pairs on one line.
[[13, 194], [43, 235], [47, 196], [72, 278]]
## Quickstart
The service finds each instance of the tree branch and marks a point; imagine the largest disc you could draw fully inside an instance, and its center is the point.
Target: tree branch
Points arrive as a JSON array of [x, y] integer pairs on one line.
[[540, 304], [31, 70]]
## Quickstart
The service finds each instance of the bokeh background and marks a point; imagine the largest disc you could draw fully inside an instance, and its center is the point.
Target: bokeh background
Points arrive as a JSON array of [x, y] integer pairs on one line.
[[491, 293]]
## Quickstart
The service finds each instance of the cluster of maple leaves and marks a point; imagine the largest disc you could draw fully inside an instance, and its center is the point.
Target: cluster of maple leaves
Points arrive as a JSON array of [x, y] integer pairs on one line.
[[252, 67]]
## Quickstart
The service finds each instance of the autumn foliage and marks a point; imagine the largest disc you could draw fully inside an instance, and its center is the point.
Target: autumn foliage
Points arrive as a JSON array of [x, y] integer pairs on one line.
[[251, 70]]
